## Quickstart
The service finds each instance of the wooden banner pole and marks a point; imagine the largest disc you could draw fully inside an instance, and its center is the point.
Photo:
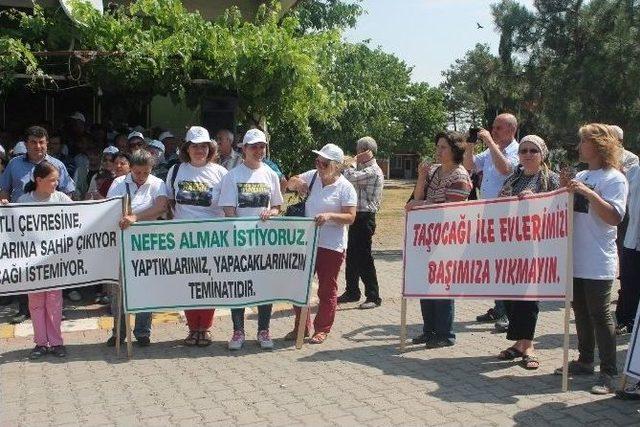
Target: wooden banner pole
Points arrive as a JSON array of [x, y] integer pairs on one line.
[[565, 349], [118, 296], [127, 322], [403, 323], [118, 291], [568, 295], [302, 326]]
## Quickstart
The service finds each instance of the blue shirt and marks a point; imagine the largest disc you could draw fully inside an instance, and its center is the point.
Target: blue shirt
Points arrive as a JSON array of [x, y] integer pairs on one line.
[[18, 172], [492, 179], [273, 166]]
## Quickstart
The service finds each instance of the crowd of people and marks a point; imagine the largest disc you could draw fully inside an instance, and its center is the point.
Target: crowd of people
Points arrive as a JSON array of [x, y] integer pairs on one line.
[[204, 177]]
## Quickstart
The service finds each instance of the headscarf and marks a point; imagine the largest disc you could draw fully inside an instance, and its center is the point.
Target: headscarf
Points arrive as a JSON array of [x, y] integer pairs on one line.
[[518, 181], [539, 143]]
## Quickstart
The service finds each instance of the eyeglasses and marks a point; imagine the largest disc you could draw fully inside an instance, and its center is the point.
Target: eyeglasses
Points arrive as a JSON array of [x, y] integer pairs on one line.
[[529, 150], [322, 163]]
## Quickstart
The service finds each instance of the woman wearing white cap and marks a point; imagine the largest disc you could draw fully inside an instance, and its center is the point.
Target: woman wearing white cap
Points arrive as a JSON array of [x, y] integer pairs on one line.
[[251, 189], [332, 203], [193, 188]]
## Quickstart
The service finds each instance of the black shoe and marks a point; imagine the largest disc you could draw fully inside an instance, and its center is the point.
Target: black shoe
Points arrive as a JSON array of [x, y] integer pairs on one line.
[[143, 341], [344, 298], [437, 343], [37, 352], [111, 342], [59, 351], [422, 338], [489, 316], [18, 318]]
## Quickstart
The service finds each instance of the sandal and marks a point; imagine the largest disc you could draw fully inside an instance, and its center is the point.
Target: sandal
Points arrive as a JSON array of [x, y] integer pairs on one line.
[[510, 354], [192, 338], [204, 339], [318, 338], [530, 362], [293, 335]]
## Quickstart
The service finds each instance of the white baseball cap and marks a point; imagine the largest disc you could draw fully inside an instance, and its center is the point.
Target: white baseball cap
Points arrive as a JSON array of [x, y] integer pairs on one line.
[[254, 136], [20, 148], [139, 128], [135, 134], [110, 150], [156, 144], [78, 116], [165, 134], [197, 135], [331, 152]]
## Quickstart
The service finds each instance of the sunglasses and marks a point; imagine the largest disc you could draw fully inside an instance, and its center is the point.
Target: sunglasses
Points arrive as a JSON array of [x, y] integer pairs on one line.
[[529, 151]]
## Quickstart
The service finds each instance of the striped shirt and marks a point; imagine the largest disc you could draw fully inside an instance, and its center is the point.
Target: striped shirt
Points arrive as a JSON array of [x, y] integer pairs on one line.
[[368, 180], [452, 187]]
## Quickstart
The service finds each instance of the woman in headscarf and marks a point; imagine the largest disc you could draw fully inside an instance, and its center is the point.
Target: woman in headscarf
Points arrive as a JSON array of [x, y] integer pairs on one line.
[[531, 176]]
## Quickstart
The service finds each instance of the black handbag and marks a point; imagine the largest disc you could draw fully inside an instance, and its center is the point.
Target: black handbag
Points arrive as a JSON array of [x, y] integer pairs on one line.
[[298, 209]]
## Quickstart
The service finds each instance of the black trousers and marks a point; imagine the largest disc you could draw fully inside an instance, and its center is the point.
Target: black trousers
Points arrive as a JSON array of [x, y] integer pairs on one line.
[[523, 316], [359, 259], [629, 293]]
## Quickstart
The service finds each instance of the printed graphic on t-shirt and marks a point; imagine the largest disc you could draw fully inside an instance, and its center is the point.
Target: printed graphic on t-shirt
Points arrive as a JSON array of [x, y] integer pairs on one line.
[[253, 195], [193, 193], [581, 203]]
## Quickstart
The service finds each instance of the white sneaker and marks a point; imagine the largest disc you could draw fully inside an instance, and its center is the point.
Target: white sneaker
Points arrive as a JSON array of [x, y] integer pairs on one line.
[[237, 340], [264, 338]]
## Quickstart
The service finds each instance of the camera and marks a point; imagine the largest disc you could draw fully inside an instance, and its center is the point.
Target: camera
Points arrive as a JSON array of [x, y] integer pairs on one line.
[[473, 135]]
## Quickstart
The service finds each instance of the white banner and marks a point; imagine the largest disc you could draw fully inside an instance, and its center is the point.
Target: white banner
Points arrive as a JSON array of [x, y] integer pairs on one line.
[[224, 262], [58, 245], [632, 364], [498, 249]]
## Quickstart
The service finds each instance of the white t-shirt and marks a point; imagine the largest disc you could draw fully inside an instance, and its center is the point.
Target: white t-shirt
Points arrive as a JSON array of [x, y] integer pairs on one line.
[[196, 190], [56, 197], [250, 191], [492, 179], [330, 198], [595, 255], [632, 237], [142, 198]]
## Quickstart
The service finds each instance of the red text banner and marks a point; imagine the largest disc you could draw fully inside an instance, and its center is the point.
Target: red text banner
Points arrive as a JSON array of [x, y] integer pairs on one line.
[[501, 248]]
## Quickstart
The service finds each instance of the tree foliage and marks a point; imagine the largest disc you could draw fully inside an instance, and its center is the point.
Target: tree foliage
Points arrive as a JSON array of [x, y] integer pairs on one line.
[[560, 65], [323, 15], [294, 71]]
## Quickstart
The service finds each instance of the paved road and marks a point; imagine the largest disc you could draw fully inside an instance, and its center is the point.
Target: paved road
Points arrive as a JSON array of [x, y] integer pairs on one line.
[[357, 377]]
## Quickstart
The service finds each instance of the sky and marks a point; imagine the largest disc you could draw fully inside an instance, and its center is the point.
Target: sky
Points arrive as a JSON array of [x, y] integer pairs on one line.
[[427, 34]]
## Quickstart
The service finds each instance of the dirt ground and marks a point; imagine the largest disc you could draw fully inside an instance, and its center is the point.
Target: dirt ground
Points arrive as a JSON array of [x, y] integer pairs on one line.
[[390, 219]]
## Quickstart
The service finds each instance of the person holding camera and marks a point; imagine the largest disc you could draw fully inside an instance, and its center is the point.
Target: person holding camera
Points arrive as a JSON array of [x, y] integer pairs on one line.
[[496, 163]]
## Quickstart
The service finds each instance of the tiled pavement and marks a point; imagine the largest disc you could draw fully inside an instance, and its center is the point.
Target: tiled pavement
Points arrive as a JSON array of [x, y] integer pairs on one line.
[[357, 377]]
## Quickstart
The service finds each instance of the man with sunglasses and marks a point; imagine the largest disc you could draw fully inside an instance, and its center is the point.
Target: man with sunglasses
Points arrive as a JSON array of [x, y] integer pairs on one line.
[[368, 180], [135, 142], [496, 163]]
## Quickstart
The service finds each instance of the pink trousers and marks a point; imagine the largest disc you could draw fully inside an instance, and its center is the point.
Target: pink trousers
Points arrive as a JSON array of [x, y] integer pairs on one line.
[[46, 316]]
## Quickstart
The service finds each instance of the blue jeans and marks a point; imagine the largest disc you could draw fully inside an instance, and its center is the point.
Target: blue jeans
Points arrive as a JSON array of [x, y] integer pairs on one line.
[[142, 326], [264, 317], [437, 315]]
